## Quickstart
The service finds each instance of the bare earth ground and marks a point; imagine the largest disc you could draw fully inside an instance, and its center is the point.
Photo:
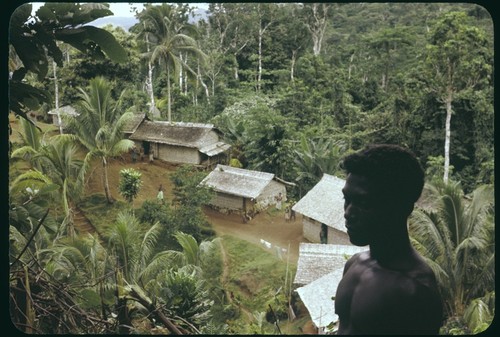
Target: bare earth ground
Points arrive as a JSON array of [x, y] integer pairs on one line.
[[269, 226]]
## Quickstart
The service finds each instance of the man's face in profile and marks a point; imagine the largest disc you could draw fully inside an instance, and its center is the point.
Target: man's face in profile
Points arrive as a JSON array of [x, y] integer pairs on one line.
[[363, 210]]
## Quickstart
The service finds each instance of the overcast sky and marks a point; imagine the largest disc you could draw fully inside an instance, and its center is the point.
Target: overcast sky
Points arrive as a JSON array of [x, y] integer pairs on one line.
[[123, 8]]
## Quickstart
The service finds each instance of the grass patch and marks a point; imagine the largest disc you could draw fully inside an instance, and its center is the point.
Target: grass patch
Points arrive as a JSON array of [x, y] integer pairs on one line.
[[99, 212], [256, 277]]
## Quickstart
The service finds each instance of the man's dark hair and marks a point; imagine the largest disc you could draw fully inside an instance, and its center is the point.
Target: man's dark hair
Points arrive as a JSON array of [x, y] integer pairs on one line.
[[391, 169]]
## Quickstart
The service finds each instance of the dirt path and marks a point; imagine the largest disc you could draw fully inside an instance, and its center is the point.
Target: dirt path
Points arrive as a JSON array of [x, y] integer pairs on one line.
[[82, 223], [224, 281], [269, 226], [279, 233]]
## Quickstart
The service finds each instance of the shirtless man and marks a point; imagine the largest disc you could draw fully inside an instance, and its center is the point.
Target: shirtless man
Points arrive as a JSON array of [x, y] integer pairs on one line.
[[388, 289]]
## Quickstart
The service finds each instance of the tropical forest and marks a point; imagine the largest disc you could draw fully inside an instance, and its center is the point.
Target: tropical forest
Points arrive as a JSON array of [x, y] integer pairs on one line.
[[291, 88]]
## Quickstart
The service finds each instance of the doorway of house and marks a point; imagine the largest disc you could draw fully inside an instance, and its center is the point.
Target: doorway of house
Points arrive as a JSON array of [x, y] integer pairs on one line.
[[323, 235], [146, 146]]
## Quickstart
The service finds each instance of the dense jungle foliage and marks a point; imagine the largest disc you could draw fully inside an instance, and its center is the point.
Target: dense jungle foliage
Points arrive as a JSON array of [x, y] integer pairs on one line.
[[294, 87]]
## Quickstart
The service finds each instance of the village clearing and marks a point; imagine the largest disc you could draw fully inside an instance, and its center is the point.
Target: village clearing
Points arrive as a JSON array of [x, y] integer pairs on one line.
[[269, 225], [267, 231]]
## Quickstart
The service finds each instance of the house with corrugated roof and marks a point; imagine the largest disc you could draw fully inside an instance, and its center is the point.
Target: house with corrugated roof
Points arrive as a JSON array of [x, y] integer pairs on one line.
[[242, 190], [181, 143], [318, 298], [319, 270], [317, 260], [322, 210]]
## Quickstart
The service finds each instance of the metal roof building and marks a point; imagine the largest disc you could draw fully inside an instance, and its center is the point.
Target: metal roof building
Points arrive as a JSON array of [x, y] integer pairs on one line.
[[323, 210], [241, 189], [319, 271], [317, 260]]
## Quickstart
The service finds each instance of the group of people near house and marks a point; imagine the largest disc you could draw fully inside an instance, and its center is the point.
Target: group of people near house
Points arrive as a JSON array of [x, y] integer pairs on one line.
[[135, 154]]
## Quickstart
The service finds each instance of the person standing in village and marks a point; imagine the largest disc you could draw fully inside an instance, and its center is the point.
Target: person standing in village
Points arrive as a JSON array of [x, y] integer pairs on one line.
[[388, 289], [151, 155], [141, 152], [279, 199], [134, 154], [287, 213], [159, 196], [292, 212]]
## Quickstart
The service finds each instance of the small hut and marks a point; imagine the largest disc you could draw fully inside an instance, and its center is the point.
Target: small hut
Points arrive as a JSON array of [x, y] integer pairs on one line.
[[181, 143], [319, 271], [64, 112], [322, 210], [242, 190]]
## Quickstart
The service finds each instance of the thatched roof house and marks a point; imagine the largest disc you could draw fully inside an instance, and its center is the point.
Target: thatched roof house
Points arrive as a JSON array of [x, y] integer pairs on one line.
[[323, 211], [317, 260], [133, 123], [243, 190], [186, 143]]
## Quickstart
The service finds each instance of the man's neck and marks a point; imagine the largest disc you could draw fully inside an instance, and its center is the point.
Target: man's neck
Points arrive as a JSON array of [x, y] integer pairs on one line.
[[393, 251]]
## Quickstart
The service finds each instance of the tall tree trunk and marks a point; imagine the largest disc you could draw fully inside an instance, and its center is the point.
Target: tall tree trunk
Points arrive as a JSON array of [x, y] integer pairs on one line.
[[181, 75], [236, 75], [169, 103], [448, 101], [318, 27], [259, 75], [235, 54], [149, 86], [149, 81], [351, 59], [56, 89], [203, 83], [105, 181], [185, 77], [383, 82], [262, 30], [292, 66]]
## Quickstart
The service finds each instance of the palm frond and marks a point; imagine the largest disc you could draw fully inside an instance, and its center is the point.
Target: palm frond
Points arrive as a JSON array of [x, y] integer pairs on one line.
[[189, 247], [162, 261], [23, 152], [458, 236], [31, 134], [31, 180], [147, 246]]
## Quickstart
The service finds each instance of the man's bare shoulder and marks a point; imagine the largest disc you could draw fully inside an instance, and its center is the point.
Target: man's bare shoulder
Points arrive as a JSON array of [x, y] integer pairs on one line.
[[356, 258]]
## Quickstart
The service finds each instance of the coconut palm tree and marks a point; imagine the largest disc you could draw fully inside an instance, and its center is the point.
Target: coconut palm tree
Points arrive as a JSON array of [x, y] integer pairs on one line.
[[145, 275], [314, 158], [99, 127], [29, 198], [61, 162], [456, 236], [170, 40], [57, 158], [32, 143], [83, 263]]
